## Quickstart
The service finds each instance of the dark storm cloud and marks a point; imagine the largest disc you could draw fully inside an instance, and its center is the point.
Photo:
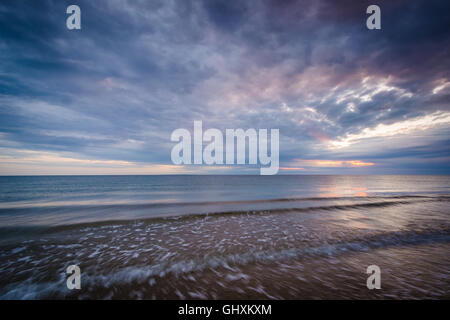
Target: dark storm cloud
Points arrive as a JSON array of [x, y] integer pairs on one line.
[[139, 69]]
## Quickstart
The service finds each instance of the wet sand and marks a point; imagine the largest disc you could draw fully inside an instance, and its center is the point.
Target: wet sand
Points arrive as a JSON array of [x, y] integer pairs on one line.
[[319, 252]]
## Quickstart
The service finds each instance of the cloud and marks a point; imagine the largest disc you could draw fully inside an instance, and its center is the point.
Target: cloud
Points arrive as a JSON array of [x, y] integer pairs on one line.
[[443, 84], [291, 169], [137, 70], [405, 127], [38, 162], [333, 163]]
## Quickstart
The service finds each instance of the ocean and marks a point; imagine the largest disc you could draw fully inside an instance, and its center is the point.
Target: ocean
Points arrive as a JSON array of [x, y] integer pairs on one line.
[[225, 237]]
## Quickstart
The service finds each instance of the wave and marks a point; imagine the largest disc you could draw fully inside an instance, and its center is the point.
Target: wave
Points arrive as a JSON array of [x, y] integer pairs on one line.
[[100, 215], [7, 208], [381, 241], [141, 275]]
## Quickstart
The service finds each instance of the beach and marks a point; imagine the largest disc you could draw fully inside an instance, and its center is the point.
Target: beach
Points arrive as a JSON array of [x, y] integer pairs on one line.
[[225, 237]]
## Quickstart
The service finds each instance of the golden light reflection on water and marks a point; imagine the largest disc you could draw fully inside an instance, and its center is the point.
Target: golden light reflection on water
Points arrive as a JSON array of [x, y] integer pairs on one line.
[[343, 188]]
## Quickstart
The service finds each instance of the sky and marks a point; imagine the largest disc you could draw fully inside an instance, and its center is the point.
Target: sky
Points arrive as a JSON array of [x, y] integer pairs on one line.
[[105, 99]]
